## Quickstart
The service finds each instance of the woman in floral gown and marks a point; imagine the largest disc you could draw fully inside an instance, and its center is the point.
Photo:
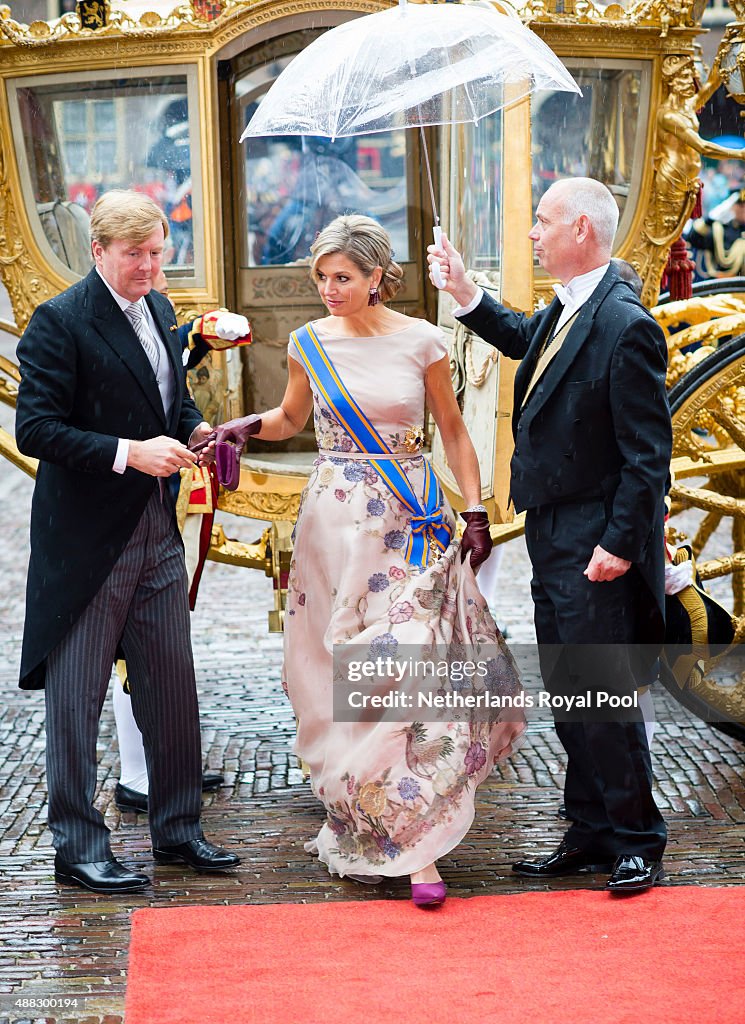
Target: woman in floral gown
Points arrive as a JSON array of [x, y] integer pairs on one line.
[[398, 796]]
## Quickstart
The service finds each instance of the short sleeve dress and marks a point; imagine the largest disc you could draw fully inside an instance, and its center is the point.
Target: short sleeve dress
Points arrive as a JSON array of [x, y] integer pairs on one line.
[[398, 795]]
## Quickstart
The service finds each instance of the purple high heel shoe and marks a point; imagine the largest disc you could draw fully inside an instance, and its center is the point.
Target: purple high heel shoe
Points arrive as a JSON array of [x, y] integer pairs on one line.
[[428, 894]]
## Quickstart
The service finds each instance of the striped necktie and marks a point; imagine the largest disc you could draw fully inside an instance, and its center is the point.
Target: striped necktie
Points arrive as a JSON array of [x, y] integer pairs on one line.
[[136, 316]]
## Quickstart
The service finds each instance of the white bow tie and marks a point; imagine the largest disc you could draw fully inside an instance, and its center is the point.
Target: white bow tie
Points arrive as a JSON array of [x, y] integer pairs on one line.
[[564, 296]]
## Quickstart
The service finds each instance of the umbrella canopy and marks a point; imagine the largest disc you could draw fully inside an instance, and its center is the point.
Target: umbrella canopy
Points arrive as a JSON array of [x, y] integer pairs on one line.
[[409, 66]]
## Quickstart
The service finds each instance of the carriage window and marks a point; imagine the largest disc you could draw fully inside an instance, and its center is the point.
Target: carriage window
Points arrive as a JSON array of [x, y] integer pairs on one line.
[[476, 218], [85, 137], [600, 134], [295, 185]]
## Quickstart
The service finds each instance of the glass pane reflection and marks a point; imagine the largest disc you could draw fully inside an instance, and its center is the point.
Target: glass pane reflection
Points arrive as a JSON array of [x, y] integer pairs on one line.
[[295, 185], [84, 138], [593, 135], [476, 227]]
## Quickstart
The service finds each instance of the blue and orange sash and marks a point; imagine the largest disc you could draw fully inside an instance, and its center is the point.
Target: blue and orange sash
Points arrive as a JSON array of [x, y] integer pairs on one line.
[[429, 530]]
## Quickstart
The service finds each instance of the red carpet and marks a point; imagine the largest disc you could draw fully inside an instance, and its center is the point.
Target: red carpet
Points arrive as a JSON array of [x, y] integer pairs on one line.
[[669, 956]]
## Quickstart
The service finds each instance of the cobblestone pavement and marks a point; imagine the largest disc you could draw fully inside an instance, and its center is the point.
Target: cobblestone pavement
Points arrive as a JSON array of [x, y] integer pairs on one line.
[[62, 943]]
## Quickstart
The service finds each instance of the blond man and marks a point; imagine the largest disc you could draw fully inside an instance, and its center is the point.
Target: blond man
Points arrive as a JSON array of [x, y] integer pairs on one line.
[[103, 405]]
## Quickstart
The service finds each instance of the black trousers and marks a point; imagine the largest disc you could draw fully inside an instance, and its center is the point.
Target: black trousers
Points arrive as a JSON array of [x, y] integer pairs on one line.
[[144, 602], [586, 634]]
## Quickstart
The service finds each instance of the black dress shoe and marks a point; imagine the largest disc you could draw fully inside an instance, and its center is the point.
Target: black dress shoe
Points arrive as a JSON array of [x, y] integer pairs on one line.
[[127, 799], [634, 874], [198, 854], [211, 780], [565, 860], [99, 876]]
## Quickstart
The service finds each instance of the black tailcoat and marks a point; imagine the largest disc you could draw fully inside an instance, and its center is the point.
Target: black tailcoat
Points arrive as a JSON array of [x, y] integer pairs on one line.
[[597, 423], [86, 382]]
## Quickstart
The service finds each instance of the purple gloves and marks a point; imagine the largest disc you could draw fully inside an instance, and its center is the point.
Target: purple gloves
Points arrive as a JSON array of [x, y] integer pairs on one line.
[[476, 538], [238, 431], [230, 438]]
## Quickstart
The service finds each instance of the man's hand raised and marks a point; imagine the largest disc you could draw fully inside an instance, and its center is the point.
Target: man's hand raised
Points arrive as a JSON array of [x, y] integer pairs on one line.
[[453, 270], [159, 456]]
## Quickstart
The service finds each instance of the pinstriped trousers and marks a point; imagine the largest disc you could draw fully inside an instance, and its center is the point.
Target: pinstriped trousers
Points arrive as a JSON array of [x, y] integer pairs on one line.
[[143, 604]]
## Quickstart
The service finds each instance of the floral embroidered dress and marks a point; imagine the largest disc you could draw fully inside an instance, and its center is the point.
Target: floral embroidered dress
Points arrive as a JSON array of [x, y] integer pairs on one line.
[[397, 796]]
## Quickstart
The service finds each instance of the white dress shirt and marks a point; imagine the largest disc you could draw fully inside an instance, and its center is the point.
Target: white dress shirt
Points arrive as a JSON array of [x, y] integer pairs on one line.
[[572, 295], [577, 292], [165, 373]]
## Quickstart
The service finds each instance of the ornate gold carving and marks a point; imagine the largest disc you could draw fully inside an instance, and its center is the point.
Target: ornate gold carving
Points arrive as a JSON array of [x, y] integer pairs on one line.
[[260, 505], [185, 314], [661, 14], [698, 310], [8, 393], [9, 451], [678, 151], [182, 18], [229, 19], [724, 390], [681, 363], [8, 367], [711, 318], [233, 552], [24, 283], [718, 409], [725, 566], [284, 288], [700, 497]]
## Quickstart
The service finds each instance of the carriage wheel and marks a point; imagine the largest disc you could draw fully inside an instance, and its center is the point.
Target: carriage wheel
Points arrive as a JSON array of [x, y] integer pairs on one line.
[[708, 411]]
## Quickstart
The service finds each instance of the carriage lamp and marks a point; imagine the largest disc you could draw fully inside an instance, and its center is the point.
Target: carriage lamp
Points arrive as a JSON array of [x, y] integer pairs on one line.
[[730, 60], [700, 66]]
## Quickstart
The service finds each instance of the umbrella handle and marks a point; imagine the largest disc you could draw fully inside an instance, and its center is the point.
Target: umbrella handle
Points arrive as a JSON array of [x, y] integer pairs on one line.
[[434, 267]]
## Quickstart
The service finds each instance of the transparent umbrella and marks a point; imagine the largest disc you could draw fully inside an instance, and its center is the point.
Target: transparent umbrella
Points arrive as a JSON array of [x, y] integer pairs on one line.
[[409, 66]]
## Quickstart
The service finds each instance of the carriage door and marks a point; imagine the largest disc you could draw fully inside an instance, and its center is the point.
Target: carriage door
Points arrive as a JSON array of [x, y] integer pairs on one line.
[[283, 191]]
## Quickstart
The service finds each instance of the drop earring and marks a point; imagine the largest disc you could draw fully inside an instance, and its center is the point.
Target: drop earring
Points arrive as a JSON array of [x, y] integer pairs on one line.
[[374, 297]]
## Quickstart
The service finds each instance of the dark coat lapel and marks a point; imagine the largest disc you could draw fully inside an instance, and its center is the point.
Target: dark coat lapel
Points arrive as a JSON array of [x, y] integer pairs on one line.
[[113, 326], [575, 339], [527, 364]]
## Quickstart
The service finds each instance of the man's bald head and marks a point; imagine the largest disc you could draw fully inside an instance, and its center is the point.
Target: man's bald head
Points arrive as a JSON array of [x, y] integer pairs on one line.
[[590, 198], [576, 222]]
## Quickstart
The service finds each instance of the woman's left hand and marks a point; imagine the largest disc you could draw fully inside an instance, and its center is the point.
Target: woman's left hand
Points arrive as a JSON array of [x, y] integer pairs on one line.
[[476, 538]]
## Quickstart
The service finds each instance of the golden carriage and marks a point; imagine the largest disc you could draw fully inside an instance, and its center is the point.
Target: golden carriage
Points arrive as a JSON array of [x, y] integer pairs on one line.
[[156, 95]]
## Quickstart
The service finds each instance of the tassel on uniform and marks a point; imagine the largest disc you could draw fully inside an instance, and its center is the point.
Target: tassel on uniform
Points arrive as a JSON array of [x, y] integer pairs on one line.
[[679, 271]]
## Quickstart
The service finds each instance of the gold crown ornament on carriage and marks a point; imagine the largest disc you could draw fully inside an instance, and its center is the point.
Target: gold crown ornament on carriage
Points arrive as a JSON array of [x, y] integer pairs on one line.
[[411, 66]]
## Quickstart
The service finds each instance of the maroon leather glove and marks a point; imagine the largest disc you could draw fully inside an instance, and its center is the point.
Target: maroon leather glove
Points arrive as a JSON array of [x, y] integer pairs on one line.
[[230, 438], [476, 538], [239, 430]]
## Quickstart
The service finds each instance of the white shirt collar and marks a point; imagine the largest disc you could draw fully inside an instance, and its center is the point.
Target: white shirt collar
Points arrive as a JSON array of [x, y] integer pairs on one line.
[[121, 302], [580, 288]]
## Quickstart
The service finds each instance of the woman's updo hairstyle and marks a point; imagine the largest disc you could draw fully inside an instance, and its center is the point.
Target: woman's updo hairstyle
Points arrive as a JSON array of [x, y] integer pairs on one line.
[[368, 246]]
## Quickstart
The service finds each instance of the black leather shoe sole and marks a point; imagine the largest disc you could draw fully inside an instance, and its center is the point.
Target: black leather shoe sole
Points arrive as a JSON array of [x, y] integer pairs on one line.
[[64, 879], [634, 887]]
